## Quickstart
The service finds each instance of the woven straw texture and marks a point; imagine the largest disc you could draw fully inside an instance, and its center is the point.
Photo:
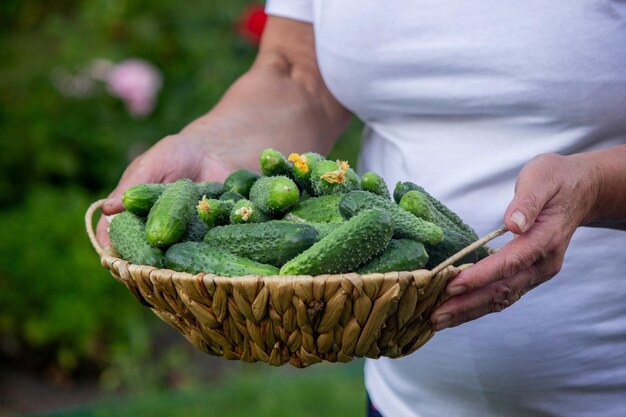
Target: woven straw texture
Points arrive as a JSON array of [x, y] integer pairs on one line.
[[300, 320]]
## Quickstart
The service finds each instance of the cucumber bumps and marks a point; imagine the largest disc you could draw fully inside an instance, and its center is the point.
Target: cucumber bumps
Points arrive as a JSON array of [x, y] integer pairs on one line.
[[169, 217], [349, 246], [330, 177], [274, 195], [194, 257], [273, 242], [407, 226], [128, 236]]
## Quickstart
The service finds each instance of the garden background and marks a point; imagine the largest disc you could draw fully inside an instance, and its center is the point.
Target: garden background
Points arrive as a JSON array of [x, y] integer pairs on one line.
[[73, 341]]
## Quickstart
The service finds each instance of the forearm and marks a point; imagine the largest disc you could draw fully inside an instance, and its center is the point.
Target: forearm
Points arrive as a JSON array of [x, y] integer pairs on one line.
[[609, 166], [281, 102]]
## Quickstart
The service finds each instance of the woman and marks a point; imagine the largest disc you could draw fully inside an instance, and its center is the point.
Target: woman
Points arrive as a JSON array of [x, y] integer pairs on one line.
[[506, 111]]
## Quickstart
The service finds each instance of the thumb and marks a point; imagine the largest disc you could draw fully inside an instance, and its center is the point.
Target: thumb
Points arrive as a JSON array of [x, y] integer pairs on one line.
[[533, 189], [136, 173]]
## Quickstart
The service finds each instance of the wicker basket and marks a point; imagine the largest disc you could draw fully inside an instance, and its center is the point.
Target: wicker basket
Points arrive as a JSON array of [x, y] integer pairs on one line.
[[299, 320]]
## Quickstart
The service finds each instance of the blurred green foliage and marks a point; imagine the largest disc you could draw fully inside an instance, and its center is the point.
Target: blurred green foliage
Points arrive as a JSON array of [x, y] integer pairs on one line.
[[58, 153], [323, 390]]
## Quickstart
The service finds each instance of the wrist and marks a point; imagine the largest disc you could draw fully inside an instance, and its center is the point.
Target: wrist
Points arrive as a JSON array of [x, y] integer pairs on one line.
[[607, 173]]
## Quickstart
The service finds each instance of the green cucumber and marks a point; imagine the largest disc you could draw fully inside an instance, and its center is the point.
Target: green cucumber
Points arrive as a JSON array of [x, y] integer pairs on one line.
[[210, 189], [245, 211], [232, 196], [323, 209], [128, 236], [329, 177], [195, 257], [323, 229], [441, 214], [170, 215], [274, 195], [274, 163], [418, 204], [273, 242], [241, 181], [452, 242], [140, 198], [374, 183], [196, 229], [214, 212], [399, 255], [402, 188], [407, 226], [304, 164], [302, 167], [349, 246]]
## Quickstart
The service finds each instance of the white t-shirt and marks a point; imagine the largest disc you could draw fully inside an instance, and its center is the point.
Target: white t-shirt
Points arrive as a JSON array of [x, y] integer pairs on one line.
[[457, 97]]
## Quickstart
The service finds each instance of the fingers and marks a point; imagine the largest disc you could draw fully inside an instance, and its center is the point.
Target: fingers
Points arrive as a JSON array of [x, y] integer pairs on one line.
[[141, 170], [492, 298], [535, 186], [498, 281], [517, 255], [102, 231]]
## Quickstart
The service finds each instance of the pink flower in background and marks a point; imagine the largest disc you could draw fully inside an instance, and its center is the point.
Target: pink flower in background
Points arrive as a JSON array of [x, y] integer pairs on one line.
[[137, 83]]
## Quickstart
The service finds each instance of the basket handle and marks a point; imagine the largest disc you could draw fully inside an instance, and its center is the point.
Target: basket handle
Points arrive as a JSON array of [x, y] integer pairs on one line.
[[470, 248], [89, 225]]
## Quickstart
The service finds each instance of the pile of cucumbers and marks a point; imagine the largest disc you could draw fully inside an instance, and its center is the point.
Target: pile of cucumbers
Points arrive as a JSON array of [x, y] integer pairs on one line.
[[302, 215]]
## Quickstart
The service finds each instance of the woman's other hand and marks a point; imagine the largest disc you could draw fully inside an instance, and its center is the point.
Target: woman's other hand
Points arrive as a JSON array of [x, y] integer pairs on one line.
[[554, 195]]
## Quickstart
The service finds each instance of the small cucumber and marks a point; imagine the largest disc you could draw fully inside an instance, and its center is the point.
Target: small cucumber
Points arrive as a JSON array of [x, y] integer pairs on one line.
[[329, 177], [349, 246], [417, 204], [441, 213], [170, 215], [196, 229], [273, 242], [195, 257], [323, 209], [374, 183], [274, 163], [304, 164], [452, 242], [232, 196], [399, 255], [140, 198], [274, 195], [241, 181], [128, 236], [214, 212], [407, 226], [245, 211], [402, 188]]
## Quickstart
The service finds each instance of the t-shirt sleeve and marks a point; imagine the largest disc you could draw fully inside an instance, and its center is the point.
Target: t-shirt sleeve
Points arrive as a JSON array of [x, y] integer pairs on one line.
[[292, 9]]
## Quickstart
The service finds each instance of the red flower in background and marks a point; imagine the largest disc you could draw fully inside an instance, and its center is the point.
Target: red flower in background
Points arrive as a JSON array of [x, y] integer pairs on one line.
[[251, 23]]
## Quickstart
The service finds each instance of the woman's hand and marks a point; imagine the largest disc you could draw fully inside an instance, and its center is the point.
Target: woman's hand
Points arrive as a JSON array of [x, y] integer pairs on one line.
[[553, 196], [179, 156]]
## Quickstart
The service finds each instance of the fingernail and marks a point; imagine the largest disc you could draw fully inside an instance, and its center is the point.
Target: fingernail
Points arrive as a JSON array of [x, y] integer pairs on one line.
[[441, 326], [441, 318], [457, 290], [518, 218]]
